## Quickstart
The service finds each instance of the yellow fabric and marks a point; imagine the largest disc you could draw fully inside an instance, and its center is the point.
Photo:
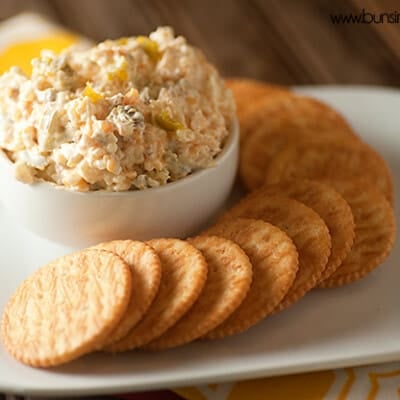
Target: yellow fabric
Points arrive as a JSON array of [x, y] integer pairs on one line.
[[315, 386], [312, 386], [371, 383], [376, 382], [21, 53]]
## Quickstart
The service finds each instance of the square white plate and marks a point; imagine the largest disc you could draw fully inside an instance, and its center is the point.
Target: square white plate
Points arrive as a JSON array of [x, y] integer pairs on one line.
[[357, 324]]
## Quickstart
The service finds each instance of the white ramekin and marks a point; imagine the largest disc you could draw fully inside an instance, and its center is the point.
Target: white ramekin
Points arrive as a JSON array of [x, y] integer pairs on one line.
[[81, 219]]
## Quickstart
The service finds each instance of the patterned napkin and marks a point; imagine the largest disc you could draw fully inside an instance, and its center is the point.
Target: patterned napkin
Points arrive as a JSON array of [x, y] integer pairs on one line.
[[21, 39]]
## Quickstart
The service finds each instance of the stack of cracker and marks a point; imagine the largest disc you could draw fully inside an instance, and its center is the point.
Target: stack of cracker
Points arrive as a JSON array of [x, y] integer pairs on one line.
[[301, 149], [319, 215], [124, 295]]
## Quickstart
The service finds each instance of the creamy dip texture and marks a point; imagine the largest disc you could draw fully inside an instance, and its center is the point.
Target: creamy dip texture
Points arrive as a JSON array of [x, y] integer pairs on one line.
[[128, 114]]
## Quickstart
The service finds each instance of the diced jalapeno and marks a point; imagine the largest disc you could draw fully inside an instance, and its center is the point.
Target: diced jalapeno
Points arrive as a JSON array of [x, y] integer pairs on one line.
[[92, 94], [150, 47], [165, 121], [121, 73], [122, 41]]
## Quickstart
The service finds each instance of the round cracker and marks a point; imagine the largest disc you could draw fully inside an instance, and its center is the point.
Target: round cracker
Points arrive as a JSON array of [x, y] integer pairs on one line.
[[275, 263], [184, 273], [330, 160], [246, 91], [67, 308], [272, 137], [331, 207], [145, 268], [303, 225], [374, 232], [228, 281], [290, 111]]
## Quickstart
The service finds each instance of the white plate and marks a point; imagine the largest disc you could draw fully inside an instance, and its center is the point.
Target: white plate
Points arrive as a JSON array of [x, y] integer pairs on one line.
[[357, 324]]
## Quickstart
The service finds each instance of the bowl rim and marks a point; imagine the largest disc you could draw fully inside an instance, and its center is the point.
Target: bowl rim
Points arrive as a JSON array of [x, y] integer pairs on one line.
[[231, 142]]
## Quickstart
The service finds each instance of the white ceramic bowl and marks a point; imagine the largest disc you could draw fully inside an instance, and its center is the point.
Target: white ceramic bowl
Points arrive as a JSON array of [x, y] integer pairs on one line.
[[78, 219]]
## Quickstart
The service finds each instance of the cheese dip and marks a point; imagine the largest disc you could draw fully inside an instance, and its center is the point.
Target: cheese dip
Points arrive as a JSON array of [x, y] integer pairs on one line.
[[127, 114]]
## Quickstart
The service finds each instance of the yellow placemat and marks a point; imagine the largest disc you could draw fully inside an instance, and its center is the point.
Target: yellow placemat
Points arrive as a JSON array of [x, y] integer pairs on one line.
[[375, 382], [24, 36], [21, 39]]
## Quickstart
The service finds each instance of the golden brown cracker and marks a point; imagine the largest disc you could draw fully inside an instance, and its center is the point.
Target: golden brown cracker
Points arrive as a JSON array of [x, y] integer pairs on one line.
[[330, 206], [67, 308], [247, 91], [270, 138], [145, 268], [374, 232], [184, 273], [275, 263], [288, 111], [228, 281], [330, 160], [303, 225]]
